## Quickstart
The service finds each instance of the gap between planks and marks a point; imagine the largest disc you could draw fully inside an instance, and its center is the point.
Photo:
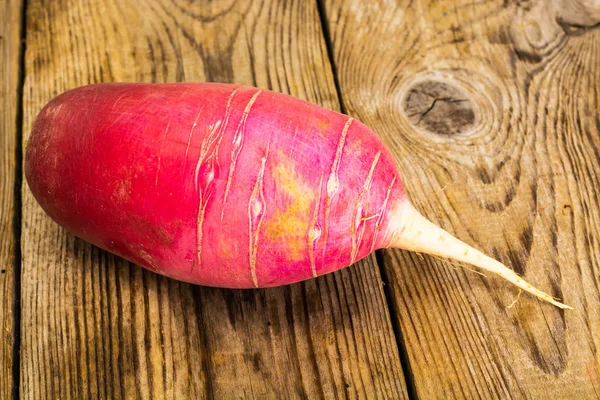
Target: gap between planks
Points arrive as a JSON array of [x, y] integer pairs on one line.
[[18, 207], [402, 352]]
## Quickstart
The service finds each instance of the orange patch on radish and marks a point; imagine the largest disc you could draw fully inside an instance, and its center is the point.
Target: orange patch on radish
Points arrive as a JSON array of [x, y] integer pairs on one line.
[[288, 224], [354, 148], [324, 127], [227, 250]]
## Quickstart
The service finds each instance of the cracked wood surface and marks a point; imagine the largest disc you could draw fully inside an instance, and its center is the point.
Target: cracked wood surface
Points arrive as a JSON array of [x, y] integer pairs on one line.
[[10, 27], [95, 326], [492, 111]]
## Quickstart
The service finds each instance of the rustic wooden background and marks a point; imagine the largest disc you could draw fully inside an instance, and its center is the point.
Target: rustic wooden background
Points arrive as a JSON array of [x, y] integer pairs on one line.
[[491, 108]]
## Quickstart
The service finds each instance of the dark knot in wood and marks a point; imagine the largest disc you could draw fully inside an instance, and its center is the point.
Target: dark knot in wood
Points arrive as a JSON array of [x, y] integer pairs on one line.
[[439, 108]]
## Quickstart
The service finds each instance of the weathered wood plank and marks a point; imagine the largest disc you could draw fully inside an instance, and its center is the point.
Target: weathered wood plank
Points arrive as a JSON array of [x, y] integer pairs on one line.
[[94, 326], [491, 109], [10, 43]]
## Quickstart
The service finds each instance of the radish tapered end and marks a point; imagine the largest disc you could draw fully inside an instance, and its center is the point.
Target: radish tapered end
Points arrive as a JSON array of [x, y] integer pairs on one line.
[[412, 231]]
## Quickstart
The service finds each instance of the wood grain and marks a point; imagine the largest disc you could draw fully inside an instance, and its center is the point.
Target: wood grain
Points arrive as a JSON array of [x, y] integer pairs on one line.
[[10, 38], [95, 326], [492, 111]]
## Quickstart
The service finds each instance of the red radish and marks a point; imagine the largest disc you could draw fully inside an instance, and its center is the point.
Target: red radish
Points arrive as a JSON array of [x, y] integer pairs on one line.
[[225, 185]]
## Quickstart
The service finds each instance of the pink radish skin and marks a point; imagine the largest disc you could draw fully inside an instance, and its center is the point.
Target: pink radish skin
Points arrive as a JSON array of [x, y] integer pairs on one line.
[[225, 185]]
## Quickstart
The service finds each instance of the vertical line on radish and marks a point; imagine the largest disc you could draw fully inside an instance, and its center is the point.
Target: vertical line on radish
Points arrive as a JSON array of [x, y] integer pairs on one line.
[[207, 168], [189, 141], [293, 146], [381, 214], [333, 182], [256, 212], [160, 154], [357, 220], [236, 147], [117, 101], [226, 118], [314, 231]]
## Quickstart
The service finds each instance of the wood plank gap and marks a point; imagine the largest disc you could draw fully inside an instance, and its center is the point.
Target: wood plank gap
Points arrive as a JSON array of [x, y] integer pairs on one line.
[[17, 193], [204, 342], [330, 55], [402, 352]]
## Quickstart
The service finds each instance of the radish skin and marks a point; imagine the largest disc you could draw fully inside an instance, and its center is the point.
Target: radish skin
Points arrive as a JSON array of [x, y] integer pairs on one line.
[[226, 185]]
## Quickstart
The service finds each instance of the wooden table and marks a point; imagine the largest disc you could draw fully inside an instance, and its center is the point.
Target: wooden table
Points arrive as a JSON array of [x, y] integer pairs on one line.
[[491, 108]]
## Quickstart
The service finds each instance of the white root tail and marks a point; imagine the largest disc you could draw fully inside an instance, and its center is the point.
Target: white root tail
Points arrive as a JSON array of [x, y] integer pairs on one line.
[[412, 231]]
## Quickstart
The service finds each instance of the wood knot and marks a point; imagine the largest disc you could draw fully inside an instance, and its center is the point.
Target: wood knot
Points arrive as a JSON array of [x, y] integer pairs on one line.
[[439, 107]]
